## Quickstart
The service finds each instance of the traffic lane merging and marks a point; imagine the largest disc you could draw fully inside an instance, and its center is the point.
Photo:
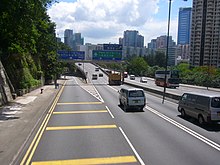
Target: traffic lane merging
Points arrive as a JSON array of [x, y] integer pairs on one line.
[[128, 159], [82, 144], [78, 115], [71, 136], [76, 94]]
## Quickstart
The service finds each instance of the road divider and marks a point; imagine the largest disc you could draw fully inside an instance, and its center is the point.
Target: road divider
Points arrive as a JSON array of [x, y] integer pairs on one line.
[[156, 91]]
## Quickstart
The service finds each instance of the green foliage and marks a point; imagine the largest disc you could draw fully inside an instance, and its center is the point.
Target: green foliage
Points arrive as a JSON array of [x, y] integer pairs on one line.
[[27, 42], [157, 59], [137, 66], [202, 76]]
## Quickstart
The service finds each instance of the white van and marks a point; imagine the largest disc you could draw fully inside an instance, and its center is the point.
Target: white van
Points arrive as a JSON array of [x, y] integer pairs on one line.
[[132, 77], [132, 98], [204, 107]]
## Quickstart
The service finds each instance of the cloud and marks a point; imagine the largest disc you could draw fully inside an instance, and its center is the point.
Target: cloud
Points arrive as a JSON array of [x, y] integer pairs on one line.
[[105, 21]]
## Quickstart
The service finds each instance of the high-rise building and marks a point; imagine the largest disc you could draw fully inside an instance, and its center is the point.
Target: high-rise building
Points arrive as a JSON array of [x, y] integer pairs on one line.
[[205, 33], [152, 45], [184, 26], [133, 39], [161, 44], [120, 41], [77, 40], [68, 38]]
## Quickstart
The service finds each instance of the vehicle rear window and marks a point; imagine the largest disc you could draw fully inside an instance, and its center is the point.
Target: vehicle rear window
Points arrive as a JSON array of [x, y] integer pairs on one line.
[[215, 102], [136, 94]]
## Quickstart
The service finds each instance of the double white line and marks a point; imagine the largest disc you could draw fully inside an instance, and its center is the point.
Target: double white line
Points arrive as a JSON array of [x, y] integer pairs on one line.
[[189, 131]]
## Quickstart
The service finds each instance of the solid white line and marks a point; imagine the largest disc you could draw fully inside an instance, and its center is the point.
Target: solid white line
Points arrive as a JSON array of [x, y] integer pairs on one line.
[[112, 88], [98, 94], [109, 112], [189, 131], [132, 147], [75, 80]]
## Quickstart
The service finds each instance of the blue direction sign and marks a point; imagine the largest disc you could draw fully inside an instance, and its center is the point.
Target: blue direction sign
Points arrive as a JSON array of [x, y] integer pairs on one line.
[[71, 55], [107, 55]]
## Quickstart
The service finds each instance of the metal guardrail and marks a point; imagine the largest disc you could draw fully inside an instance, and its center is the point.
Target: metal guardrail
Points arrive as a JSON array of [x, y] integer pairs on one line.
[[158, 92]]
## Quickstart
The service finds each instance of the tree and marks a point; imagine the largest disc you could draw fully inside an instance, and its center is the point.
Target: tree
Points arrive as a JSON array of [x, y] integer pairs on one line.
[[160, 59], [27, 41], [137, 66]]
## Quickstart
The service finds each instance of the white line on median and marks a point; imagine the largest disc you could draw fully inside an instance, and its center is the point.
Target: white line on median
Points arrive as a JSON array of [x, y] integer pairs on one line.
[[109, 112], [132, 147], [112, 88]]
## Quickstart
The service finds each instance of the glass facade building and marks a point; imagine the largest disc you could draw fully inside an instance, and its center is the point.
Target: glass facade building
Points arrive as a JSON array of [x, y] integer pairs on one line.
[[184, 26]]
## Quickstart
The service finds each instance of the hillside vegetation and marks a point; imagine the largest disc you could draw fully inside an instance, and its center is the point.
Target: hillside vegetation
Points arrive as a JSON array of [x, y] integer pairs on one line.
[[27, 42]]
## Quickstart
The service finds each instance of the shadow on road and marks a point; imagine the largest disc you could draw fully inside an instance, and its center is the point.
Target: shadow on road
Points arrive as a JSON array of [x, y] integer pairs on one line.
[[131, 110], [212, 127]]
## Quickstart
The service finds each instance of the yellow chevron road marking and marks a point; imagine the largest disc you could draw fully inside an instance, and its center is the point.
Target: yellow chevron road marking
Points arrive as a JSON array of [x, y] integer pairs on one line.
[[75, 103], [79, 112], [80, 127], [90, 161]]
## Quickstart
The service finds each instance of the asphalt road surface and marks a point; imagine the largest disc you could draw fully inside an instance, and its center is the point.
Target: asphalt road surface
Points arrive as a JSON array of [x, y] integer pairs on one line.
[[85, 125]]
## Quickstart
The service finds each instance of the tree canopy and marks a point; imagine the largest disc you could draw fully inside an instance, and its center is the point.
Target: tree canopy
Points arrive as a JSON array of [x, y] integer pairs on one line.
[[27, 41]]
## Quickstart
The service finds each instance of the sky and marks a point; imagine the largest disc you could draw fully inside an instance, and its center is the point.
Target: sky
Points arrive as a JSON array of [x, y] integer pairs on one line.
[[104, 21]]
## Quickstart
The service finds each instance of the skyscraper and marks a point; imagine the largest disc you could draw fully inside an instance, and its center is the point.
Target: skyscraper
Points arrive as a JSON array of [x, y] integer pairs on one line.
[[68, 38], [133, 39], [205, 33], [77, 40], [184, 26]]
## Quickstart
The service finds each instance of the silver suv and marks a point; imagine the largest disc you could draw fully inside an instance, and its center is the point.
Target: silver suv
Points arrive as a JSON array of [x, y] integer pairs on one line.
[[132, 98]]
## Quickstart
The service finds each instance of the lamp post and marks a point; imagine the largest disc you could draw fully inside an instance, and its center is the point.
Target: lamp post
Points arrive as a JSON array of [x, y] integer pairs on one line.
[[166, 58], [167, 48]]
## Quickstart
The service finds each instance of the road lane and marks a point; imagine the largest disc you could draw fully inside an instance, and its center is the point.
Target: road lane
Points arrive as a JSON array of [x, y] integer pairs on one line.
[[80, 130], [157, 140]]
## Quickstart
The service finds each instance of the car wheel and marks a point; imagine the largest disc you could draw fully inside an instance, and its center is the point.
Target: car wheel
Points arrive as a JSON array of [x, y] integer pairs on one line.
[[183, 113], [120, 103], [125, 108], [201, 120], [141, 109]]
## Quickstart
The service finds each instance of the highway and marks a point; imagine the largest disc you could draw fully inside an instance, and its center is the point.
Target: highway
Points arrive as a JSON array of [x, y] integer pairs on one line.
[[179, 90], [85, 125]]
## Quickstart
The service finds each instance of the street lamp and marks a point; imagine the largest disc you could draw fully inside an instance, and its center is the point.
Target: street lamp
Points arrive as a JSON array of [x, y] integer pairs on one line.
[[167, 47]]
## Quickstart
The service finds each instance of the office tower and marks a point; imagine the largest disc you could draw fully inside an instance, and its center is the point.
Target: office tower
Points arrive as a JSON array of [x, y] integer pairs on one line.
[[153, 44], [77, 40], [184, 26], [205, 33], [133, 39], [140, 41], [161, 42], [68, 38], [120, 41]]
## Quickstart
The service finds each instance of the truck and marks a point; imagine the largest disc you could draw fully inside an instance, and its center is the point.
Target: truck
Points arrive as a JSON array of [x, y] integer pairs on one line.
[[115, 78]]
